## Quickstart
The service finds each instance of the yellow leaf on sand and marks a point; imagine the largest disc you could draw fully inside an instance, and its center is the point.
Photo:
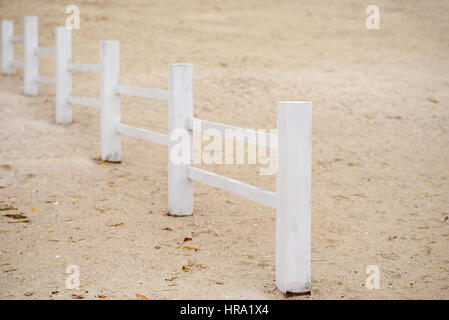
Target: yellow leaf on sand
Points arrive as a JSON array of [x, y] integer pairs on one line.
[[141, 296], [34, 210], [191, 248]]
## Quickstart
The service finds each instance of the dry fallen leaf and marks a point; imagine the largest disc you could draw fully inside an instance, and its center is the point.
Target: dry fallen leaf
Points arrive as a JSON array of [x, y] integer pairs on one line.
[[131, 254], [100, 209], [184, 241], [141, 296], [55, 202], [77, 297], [34, 210], [7, 207], [20, 221], [171, 279], [102, 296], [28, 294], [167, 229], [98, 160], [15, 216], [191, 248], [10, 270], [117, 224]]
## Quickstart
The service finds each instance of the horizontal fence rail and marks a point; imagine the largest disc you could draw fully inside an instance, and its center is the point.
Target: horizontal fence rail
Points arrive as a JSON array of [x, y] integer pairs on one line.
[[45, 50], [149, 93], [46, 79], [90, 67], [85, 101], [293, 140], [142, 134], [248, 191], [262, 139], [17, 38], [17, 63]]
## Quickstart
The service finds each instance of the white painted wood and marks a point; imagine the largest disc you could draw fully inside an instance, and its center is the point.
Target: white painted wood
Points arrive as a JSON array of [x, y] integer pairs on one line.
[[17, 63], [17, 38], [45, 79], [180, 108], [142, 134], [7, 47], [111, 147], [91, 67], [248, 191], [45, 50], [63, 48], [30, 60], [293, 186], [143, 92], [264, 140], [85, 101]]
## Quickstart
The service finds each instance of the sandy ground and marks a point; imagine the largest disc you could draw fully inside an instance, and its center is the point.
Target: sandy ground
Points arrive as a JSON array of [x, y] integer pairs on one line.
[[380, 152]]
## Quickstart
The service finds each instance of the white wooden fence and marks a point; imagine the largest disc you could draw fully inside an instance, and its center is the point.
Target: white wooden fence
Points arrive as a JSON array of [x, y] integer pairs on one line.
[[292, 199]]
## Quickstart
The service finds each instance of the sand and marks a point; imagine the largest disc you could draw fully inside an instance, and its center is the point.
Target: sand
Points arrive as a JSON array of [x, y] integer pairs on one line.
[[380, 152]]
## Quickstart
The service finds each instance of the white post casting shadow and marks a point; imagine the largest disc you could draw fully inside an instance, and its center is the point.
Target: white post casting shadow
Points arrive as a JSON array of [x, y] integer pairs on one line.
[[7, 46], [180, 110], [63, 48], [111, 146], [30, 59], [293, 188]]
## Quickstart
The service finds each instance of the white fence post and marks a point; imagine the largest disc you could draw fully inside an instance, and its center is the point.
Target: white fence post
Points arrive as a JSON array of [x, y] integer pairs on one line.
[[7, 46], [111, 146], [30, 58], [293, 186], [63, 48], [180, 109]]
